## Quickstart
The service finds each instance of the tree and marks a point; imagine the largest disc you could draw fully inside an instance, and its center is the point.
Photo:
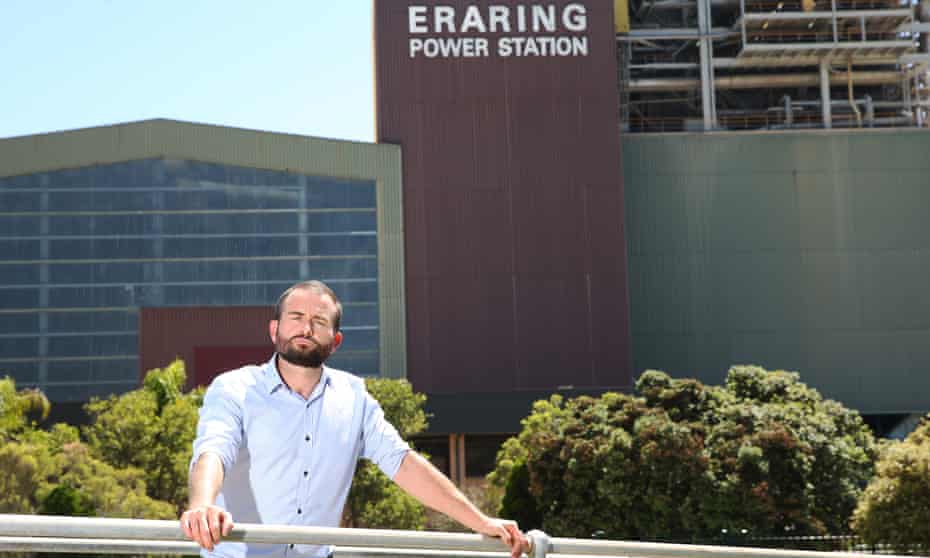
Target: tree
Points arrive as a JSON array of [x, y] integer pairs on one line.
[[893, 509], [151, 429], [23, 461], [374, 500], [684, 461], [114, 492], [20, 477], [67, 500], [787, 460], [51, 471], [20, 409]]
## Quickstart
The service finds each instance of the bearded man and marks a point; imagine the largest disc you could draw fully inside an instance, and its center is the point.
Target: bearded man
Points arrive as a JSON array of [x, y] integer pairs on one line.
[[278, 443]]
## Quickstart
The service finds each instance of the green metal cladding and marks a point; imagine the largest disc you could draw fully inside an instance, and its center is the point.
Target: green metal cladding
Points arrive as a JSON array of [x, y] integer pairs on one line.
[[797, 251]]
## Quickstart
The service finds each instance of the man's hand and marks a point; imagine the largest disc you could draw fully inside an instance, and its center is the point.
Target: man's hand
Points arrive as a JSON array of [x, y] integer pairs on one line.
[[206, 525], [509, 532]]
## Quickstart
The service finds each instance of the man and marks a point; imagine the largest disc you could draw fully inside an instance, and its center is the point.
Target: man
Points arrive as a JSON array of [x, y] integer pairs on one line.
[[278, 443]]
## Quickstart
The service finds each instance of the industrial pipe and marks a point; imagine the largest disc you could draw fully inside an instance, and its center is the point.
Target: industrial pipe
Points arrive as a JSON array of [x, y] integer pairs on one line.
[[768, 81], [678, 4]]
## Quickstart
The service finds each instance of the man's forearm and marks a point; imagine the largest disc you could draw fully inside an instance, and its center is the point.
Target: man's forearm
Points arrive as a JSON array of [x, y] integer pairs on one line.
[[420, 479], [206, 480]]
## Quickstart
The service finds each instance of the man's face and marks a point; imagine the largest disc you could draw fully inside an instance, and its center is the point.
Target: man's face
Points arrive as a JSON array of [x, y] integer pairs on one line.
[[304, 334]]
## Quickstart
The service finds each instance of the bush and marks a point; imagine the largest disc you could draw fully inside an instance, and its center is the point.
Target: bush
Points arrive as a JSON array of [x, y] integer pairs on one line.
[[51, 471], [20, 410], [684, 461], [151, 429], [67, 500], [894, 508], [375, 502]]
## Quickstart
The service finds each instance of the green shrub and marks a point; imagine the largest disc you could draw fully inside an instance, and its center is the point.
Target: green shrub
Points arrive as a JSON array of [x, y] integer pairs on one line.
[[895, 508], [685, 461]]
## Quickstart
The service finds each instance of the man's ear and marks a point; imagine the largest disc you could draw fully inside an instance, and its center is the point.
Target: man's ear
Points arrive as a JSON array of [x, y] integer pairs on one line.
[[273, 330], [337, 340]]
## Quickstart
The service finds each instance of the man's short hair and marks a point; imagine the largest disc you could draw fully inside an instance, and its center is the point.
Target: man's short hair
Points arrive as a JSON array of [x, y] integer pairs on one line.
[[318, 287]]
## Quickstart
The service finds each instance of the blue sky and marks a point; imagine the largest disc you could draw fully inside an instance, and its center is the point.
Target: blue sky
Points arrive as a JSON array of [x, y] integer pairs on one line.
[[295, 66]]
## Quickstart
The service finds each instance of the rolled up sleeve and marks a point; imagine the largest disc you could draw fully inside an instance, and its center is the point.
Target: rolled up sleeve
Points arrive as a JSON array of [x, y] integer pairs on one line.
[[381, 443], [219, 429]]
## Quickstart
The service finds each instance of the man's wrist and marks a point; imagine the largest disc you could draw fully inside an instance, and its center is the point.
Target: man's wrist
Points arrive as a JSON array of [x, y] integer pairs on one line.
[[486, 524]]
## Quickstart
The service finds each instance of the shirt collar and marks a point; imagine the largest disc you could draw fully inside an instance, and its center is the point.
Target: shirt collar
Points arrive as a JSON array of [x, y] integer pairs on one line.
[[272, 378]]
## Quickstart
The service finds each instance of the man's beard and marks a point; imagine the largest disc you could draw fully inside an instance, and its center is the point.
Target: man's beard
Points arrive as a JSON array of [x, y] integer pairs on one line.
[[307, 358]]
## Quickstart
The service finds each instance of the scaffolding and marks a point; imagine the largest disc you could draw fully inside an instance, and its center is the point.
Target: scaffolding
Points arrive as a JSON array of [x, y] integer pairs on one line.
[[703, 65]]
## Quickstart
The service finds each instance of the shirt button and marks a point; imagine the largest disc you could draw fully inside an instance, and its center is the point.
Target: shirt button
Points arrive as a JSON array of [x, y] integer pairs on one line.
[[307, 437], [305, 473], [298, 511], [292, 545]]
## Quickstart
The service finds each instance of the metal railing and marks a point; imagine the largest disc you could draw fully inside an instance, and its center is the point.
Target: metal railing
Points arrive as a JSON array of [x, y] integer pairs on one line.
[[30, 533], [769, 120]]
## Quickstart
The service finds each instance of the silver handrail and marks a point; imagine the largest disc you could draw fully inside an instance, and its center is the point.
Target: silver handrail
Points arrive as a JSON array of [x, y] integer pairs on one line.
[[147, 529], [131, 536], [116, 546], [96, 546]]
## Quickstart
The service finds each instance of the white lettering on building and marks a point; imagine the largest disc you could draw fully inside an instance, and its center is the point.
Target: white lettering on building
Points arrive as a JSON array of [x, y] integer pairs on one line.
[[545, 30]]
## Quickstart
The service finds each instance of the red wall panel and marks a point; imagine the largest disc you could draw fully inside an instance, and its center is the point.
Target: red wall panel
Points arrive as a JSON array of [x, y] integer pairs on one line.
[[210, 340]]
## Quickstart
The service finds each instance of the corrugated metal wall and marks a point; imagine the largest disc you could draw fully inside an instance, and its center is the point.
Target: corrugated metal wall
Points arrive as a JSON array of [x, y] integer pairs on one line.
[[513, 207], [210, 340], [801, 251]]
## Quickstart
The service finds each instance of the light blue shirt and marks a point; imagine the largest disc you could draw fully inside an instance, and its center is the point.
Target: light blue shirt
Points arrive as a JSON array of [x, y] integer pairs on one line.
[[290, 460]]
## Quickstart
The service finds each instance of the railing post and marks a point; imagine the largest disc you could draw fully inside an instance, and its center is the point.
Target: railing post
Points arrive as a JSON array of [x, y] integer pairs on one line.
[[539, 544]]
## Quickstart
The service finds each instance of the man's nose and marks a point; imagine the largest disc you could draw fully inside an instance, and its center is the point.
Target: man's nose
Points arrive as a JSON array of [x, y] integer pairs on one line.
[[308, 328]]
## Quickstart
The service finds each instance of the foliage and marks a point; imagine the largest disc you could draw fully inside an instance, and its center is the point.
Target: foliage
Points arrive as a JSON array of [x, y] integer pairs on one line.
[[54, 465], [402, 406], [20, 409], [374, 500], [23, 453], [516, 500], [64, 499], [683, 460], [788, 460], [115, 492], [893, 509], [511, 476], [51, 471], [151, 429], [20, 476]]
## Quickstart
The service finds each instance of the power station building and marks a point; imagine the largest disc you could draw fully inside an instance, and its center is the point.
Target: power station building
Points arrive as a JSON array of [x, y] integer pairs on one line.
[[525, 223]]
